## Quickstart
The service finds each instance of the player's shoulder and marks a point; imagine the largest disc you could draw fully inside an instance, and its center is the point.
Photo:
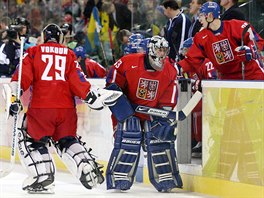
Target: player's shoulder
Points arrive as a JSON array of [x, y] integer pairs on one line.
[[235, 21], [201, 33], [235, 24], [133, 58]]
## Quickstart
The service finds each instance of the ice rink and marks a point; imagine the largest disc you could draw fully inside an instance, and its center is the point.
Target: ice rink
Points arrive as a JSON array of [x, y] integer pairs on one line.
[[67, 186]]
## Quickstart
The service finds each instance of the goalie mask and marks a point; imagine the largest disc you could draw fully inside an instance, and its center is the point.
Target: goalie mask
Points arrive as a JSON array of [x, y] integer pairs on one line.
[[53, 33], [158, 49]]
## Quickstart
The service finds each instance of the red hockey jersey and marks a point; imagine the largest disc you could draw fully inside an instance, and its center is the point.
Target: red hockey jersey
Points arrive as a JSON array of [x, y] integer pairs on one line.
[[220, 47], [144, 87], [94, 69], [54, 75]]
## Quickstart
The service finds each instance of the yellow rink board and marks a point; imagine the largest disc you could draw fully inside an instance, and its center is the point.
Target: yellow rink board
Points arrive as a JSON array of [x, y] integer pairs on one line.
[[193, 183]]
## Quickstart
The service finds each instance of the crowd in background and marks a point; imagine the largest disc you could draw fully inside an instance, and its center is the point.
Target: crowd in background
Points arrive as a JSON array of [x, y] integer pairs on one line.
[[101, 40]]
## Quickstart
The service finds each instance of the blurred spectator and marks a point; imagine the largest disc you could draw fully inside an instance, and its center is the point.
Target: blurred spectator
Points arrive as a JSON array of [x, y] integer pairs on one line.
[[232, 10], [11, 50], [4, 23], [91, 68], [137, 16], [68, 33], [68, 17], [119, 15], [147, 28], [176, 30], [125, 2], [195, 6], [76, 10], [23, 27], [36, 21], [122, 40], [89, 7], [66, 5], [80, 37]]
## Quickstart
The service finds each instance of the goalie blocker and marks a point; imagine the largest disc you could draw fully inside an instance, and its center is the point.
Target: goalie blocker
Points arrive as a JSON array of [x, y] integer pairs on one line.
[[175, 115]]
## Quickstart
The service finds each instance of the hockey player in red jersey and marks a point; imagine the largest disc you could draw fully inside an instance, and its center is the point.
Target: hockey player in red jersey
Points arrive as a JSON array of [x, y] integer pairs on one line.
[[91, 68], [206, 71], [54, 76], [147, 79], [220, 41]]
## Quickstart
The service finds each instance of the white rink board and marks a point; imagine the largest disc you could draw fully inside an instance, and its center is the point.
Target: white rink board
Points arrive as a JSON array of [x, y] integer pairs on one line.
[[95, 127]]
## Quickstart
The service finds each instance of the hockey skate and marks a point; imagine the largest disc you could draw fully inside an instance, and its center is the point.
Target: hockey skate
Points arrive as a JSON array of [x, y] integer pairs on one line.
[[44, 187]]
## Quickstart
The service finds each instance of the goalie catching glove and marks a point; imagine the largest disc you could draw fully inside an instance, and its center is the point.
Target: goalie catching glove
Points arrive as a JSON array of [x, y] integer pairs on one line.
[[15, 106], [98, 98]]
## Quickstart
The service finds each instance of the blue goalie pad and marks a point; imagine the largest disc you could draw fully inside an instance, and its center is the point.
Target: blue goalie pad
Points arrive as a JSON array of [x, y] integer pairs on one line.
[[122, 109], [162, 162], [125, 156]]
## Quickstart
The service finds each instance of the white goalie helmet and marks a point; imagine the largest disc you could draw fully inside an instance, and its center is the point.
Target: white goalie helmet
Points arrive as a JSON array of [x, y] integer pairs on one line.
[[158, 49]]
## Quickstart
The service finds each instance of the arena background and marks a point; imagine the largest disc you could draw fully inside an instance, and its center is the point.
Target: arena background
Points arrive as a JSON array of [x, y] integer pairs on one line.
[[233, 116]]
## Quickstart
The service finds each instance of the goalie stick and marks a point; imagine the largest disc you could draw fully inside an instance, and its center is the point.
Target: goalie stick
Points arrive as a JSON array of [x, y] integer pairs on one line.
[[176, 115], [5, 172]]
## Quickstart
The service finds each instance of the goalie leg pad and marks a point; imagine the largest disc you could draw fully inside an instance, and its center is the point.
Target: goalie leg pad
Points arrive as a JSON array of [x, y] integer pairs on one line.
[[80, 161], [122, 109], [38, 163], [162, 162], [125, 156]]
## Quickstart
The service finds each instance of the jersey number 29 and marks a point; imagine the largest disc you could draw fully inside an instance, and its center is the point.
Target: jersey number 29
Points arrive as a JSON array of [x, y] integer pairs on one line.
[[59, 64]]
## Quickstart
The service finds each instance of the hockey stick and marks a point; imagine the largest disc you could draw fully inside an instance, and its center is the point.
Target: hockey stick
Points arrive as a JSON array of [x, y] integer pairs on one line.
[[98, 30], [257, 52], [176, 115], [111, 44], [4, 173], [245, 30]]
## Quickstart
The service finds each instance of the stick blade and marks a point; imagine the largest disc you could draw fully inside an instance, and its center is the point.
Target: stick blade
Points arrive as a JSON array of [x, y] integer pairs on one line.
[[6, 92], [192, 103], [4, 173]]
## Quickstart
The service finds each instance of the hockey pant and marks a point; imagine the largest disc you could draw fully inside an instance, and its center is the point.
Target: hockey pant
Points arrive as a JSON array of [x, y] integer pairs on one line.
[[124, 158], [80, 161], [162, 162], [38, 163]]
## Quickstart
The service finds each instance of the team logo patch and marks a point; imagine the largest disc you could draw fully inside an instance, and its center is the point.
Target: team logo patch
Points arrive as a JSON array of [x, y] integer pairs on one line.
[[147, 89], [222, 51]]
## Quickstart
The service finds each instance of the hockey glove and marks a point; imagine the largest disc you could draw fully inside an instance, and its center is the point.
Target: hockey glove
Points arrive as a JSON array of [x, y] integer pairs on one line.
[[98, 98], [244, 52], [163, 129], [180, 73], [15, 106]]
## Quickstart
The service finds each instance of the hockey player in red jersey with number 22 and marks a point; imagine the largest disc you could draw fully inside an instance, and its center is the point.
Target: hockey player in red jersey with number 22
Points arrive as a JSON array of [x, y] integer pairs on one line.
[[220, 42]]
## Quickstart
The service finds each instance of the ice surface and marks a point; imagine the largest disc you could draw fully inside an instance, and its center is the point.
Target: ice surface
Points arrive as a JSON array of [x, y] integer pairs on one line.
[[67, 186]]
